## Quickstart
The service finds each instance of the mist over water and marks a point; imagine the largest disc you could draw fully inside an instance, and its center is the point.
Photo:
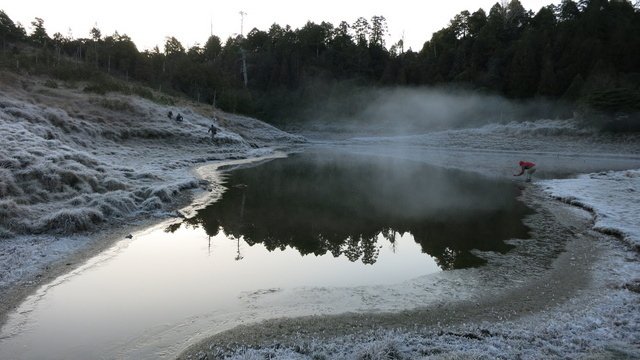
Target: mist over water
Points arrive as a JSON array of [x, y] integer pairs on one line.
[[339, 203], [402, 111], [320, 223]]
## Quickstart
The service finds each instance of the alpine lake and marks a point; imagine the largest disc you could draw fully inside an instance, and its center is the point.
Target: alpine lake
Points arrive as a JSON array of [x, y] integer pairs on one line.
[[319, 219]]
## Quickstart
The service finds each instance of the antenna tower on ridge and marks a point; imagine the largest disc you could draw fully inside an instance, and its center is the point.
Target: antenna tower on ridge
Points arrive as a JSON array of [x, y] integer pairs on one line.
[[242, 14]]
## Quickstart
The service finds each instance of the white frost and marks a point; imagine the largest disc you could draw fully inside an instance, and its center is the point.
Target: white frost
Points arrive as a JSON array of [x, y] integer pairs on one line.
[[613, 197], [70, 161], [73, 162], [601, 322]]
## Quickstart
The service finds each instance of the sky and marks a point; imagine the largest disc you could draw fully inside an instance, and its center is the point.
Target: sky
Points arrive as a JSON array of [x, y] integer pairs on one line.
[[192, 21]]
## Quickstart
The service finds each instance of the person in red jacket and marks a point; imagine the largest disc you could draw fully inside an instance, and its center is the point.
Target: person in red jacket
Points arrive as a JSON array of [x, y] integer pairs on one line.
[[528, 167]]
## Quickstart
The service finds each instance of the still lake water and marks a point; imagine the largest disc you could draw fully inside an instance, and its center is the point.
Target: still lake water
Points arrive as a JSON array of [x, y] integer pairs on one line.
[[325, 219]]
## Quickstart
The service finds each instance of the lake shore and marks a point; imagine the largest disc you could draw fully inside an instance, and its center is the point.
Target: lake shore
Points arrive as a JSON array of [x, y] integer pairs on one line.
[[76, 138], [183, 206], [11, 297], [576, 278], [563, 279], [82, 171]]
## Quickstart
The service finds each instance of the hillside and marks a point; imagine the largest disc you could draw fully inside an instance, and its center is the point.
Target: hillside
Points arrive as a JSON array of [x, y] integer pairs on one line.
[[583, 53], [74, 162]]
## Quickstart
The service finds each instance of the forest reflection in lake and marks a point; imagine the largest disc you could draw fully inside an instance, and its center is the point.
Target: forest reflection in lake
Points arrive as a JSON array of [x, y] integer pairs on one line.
[[340, 204], [358, 222]]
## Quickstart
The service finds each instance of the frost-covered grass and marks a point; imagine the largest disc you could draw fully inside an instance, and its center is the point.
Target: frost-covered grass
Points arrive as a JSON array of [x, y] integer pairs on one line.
[[601, 325], [613, 197], [568, 137], [601, 321], [72, 161]]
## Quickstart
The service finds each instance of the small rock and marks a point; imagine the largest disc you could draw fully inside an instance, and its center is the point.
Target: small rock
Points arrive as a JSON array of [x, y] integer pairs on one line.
[[633, 286]]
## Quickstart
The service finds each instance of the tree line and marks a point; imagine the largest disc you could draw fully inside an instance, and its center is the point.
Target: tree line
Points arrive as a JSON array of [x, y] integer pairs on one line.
[[585, 52]]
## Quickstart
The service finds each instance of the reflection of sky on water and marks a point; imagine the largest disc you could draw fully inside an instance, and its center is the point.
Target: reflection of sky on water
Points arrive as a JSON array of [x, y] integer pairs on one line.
[[159, 280], [346, 205], [303, 222]]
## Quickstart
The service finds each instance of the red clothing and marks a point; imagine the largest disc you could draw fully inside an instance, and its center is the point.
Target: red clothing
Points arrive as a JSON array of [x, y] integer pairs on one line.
[[527, 164]]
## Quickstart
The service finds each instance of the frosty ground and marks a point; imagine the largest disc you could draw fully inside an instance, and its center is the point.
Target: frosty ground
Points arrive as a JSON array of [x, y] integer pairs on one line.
[[583, 303], [79, 171], [570, 293]]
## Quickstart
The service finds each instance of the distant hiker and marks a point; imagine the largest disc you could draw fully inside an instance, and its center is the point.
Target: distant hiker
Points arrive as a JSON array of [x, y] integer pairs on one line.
[[179, 117], [170, 114], [213, 130], [528, 167]]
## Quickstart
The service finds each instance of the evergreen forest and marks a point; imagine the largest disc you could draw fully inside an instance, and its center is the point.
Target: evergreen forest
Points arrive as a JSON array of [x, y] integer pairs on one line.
[[585, 53]]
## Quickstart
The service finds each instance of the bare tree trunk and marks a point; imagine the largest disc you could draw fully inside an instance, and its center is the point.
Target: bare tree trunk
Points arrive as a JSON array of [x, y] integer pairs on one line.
[[244, 67]]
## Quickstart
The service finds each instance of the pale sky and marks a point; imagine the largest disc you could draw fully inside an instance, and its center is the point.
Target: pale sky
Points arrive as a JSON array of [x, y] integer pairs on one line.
[[191, 21]]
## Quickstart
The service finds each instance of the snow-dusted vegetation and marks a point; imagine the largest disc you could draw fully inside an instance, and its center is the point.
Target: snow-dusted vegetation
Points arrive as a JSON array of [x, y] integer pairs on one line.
[[74, 164], [600, 321], [72, 161], [612, 196]]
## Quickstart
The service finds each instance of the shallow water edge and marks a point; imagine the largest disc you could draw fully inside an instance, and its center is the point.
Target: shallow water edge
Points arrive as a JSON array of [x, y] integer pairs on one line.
[[558, 227], [105, 237]]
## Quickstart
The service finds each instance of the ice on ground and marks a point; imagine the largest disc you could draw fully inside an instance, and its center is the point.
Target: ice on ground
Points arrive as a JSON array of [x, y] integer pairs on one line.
[[561, 148], [545, 136], [602, 321], [612, 196], [72, 161]]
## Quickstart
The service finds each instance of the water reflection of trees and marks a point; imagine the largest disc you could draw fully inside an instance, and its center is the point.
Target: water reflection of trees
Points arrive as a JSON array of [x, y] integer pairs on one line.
[[344, 207]]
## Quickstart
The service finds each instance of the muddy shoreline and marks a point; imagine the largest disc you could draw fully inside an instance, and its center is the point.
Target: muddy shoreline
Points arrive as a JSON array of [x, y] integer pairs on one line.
[[109, 234], [566, 277], [80, 174], [101, 240]]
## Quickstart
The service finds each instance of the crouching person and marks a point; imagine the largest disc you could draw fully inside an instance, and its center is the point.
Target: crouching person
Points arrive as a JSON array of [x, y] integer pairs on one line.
[[526, 167]]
